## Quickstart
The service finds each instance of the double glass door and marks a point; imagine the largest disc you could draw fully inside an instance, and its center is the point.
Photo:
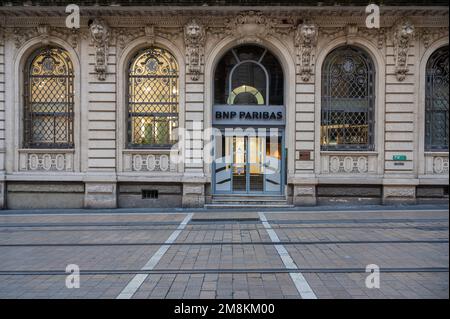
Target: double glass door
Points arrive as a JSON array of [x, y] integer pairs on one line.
[[248, 163]]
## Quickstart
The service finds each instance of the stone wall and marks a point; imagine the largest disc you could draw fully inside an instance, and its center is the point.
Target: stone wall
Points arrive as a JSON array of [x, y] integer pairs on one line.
[[111, 175]]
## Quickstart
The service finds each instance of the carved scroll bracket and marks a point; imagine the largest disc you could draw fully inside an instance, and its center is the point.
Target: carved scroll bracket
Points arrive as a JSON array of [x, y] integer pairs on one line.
[[306, 41], [194, 38], [100, 37]]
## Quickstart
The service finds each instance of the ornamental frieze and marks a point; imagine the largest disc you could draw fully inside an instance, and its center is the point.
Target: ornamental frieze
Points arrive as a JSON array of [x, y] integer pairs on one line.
[[44, 32], [429, 35]]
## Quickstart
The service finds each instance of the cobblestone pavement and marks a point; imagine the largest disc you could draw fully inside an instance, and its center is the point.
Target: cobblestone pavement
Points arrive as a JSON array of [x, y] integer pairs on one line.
[[221, 254]]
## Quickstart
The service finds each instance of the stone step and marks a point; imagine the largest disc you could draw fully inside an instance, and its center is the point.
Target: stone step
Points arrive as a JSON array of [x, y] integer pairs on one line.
[[245, 205], [248, 198]]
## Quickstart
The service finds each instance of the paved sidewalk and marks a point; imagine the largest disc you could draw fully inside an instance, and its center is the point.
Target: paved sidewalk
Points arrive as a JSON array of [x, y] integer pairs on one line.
[[220, 254]]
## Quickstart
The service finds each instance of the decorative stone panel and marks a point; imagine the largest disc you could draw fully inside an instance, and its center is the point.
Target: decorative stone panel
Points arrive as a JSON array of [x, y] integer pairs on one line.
[[436, 163], [147, 161], [47, 160], [348, 163]]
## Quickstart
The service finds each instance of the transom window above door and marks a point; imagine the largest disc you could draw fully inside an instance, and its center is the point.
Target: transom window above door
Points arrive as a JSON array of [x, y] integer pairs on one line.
[[248, 75]]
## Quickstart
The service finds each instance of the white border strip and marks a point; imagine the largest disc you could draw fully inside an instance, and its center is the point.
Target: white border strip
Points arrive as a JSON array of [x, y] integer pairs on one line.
[[299, 280], [138, 279]]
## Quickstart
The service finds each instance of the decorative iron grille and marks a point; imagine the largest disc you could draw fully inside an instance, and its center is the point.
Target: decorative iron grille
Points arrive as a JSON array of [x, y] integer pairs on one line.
[[436, 101], [152, 99], [347, 121], [49, 99]]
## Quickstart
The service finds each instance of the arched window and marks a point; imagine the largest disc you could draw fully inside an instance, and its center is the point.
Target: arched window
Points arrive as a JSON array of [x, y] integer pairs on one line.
[[348, 80], [48, 99], [152, 99], [436, 101], [248, 75]]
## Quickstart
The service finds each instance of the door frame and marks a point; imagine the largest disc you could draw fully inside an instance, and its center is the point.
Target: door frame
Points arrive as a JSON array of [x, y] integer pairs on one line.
[[247, 167]]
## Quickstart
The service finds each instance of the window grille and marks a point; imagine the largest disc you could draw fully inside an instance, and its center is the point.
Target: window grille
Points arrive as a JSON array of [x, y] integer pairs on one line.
[[347, 121], [152, 99], [436, 101], [48, 99]]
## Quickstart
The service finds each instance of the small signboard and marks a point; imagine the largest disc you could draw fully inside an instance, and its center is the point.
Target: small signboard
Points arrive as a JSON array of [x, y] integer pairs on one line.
[[248, 115], [399, 157], [304, 155]]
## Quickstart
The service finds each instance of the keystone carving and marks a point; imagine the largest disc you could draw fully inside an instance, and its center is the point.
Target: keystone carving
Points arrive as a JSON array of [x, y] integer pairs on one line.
[[250, 26]]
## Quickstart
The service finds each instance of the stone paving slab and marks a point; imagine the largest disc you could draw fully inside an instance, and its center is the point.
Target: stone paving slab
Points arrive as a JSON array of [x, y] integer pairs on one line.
[[361, 255], [218, 286], [237, 234], [357, 215], [87, 258], [220, 256], [362, 234], [218, 227], [392, 286], [54, 286], [90, 217], [83, 236]]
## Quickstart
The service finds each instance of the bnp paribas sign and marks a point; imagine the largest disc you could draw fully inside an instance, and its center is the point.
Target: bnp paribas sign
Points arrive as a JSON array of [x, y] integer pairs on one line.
[[249, 115]]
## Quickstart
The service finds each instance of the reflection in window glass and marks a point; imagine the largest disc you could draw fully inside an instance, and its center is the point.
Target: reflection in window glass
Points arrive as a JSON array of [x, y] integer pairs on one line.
[[436, 101], [347, 115], [48, 99], [152, 99], [248, 75]]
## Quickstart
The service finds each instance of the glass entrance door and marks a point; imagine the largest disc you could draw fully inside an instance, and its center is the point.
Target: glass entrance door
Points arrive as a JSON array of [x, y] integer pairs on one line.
[[249, 163]]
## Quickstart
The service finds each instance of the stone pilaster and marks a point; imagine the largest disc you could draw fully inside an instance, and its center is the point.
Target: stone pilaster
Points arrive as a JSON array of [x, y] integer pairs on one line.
[[100, 192], [399, 194], [304, 195], [2, 194], [193, 195]]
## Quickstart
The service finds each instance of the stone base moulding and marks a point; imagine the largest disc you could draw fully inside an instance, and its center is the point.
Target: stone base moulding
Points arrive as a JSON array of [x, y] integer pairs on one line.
[[100, 195], [395, 194], [193, 195], [2, 194], [304, 195]]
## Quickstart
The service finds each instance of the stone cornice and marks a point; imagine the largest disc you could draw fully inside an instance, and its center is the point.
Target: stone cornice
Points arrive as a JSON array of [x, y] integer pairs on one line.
[[288, 22], [157, 11]]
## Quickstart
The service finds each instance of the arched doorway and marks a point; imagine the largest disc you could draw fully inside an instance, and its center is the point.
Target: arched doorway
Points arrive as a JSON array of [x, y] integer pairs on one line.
[[249, 121]]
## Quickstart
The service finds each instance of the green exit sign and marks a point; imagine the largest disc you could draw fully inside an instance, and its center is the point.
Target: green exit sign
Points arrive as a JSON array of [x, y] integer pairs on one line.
[[399, 157]]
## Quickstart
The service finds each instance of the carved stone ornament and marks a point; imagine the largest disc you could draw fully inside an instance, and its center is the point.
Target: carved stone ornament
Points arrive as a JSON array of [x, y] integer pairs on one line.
[[250, 26], [403, 36], [429, 35], [306, 41], [194, 39], [100, 37], [22, 35]]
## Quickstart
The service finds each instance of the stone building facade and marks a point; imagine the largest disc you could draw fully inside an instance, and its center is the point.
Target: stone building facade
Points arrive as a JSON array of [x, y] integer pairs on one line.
[[90, 117]]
